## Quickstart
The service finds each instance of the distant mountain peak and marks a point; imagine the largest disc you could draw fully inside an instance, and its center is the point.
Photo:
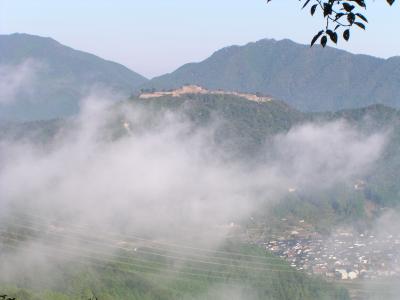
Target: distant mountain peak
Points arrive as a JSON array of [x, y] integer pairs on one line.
[[56, 90], [27, 35], [310, 79]]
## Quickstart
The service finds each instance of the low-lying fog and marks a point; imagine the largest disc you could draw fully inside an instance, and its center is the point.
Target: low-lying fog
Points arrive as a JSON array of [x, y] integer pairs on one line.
[[170, 180]]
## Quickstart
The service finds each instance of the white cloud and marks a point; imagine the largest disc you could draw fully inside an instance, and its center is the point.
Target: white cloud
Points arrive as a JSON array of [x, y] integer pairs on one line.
[[171, 171], [320, 155], [168, 179], [19, 79]]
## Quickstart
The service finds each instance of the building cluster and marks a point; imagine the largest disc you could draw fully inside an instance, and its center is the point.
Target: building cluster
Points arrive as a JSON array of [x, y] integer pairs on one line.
[[195, 89], [344, 255]]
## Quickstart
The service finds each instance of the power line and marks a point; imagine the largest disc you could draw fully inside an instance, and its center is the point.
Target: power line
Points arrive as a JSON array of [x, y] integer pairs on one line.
[[185, 259], [264, 260], [213, 275], [222, 280], [78, 252], [206, 262], [179, 246]]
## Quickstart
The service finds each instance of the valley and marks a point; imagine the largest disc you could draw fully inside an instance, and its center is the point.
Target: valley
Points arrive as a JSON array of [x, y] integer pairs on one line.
[[292, 241], [255, 173]]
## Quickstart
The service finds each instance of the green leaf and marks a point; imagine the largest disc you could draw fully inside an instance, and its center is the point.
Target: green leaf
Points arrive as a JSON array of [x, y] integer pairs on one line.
[[361, 25], [313, 8], [327, 9], [315, 38], [348, 7], [332, 35], [305, 4], [324, 40], [346, 34], [362, 17], [351, 18]]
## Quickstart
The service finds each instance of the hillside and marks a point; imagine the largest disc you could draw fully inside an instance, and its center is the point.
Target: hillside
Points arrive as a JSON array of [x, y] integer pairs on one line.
[[243, 126], [303, 77], [244, 120], [44, 79], [154, 272]]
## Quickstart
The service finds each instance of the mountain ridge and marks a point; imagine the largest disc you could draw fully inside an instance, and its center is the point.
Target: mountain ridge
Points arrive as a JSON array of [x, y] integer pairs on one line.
[[302, 76], [308, 79], [58, 77]]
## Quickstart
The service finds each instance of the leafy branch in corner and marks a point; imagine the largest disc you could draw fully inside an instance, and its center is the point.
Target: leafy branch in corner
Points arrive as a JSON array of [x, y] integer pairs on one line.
[[339, 18]]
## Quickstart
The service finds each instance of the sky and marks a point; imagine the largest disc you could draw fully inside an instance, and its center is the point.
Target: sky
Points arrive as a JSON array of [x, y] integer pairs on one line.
[[153, 37]]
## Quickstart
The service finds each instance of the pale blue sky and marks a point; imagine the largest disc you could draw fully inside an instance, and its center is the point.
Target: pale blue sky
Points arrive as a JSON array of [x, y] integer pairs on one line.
[[153, 37]]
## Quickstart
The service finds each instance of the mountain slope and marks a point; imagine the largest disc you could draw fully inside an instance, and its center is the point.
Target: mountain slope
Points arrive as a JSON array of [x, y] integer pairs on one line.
[[224, 277], [313, 79], [243, 124], [45, 79], [244, 127]]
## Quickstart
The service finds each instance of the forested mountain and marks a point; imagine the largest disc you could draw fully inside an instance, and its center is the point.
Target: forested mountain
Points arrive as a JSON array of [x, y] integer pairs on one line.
[[310, 79], [245, 127], [242, 130], [248, 126], [42, 79]]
